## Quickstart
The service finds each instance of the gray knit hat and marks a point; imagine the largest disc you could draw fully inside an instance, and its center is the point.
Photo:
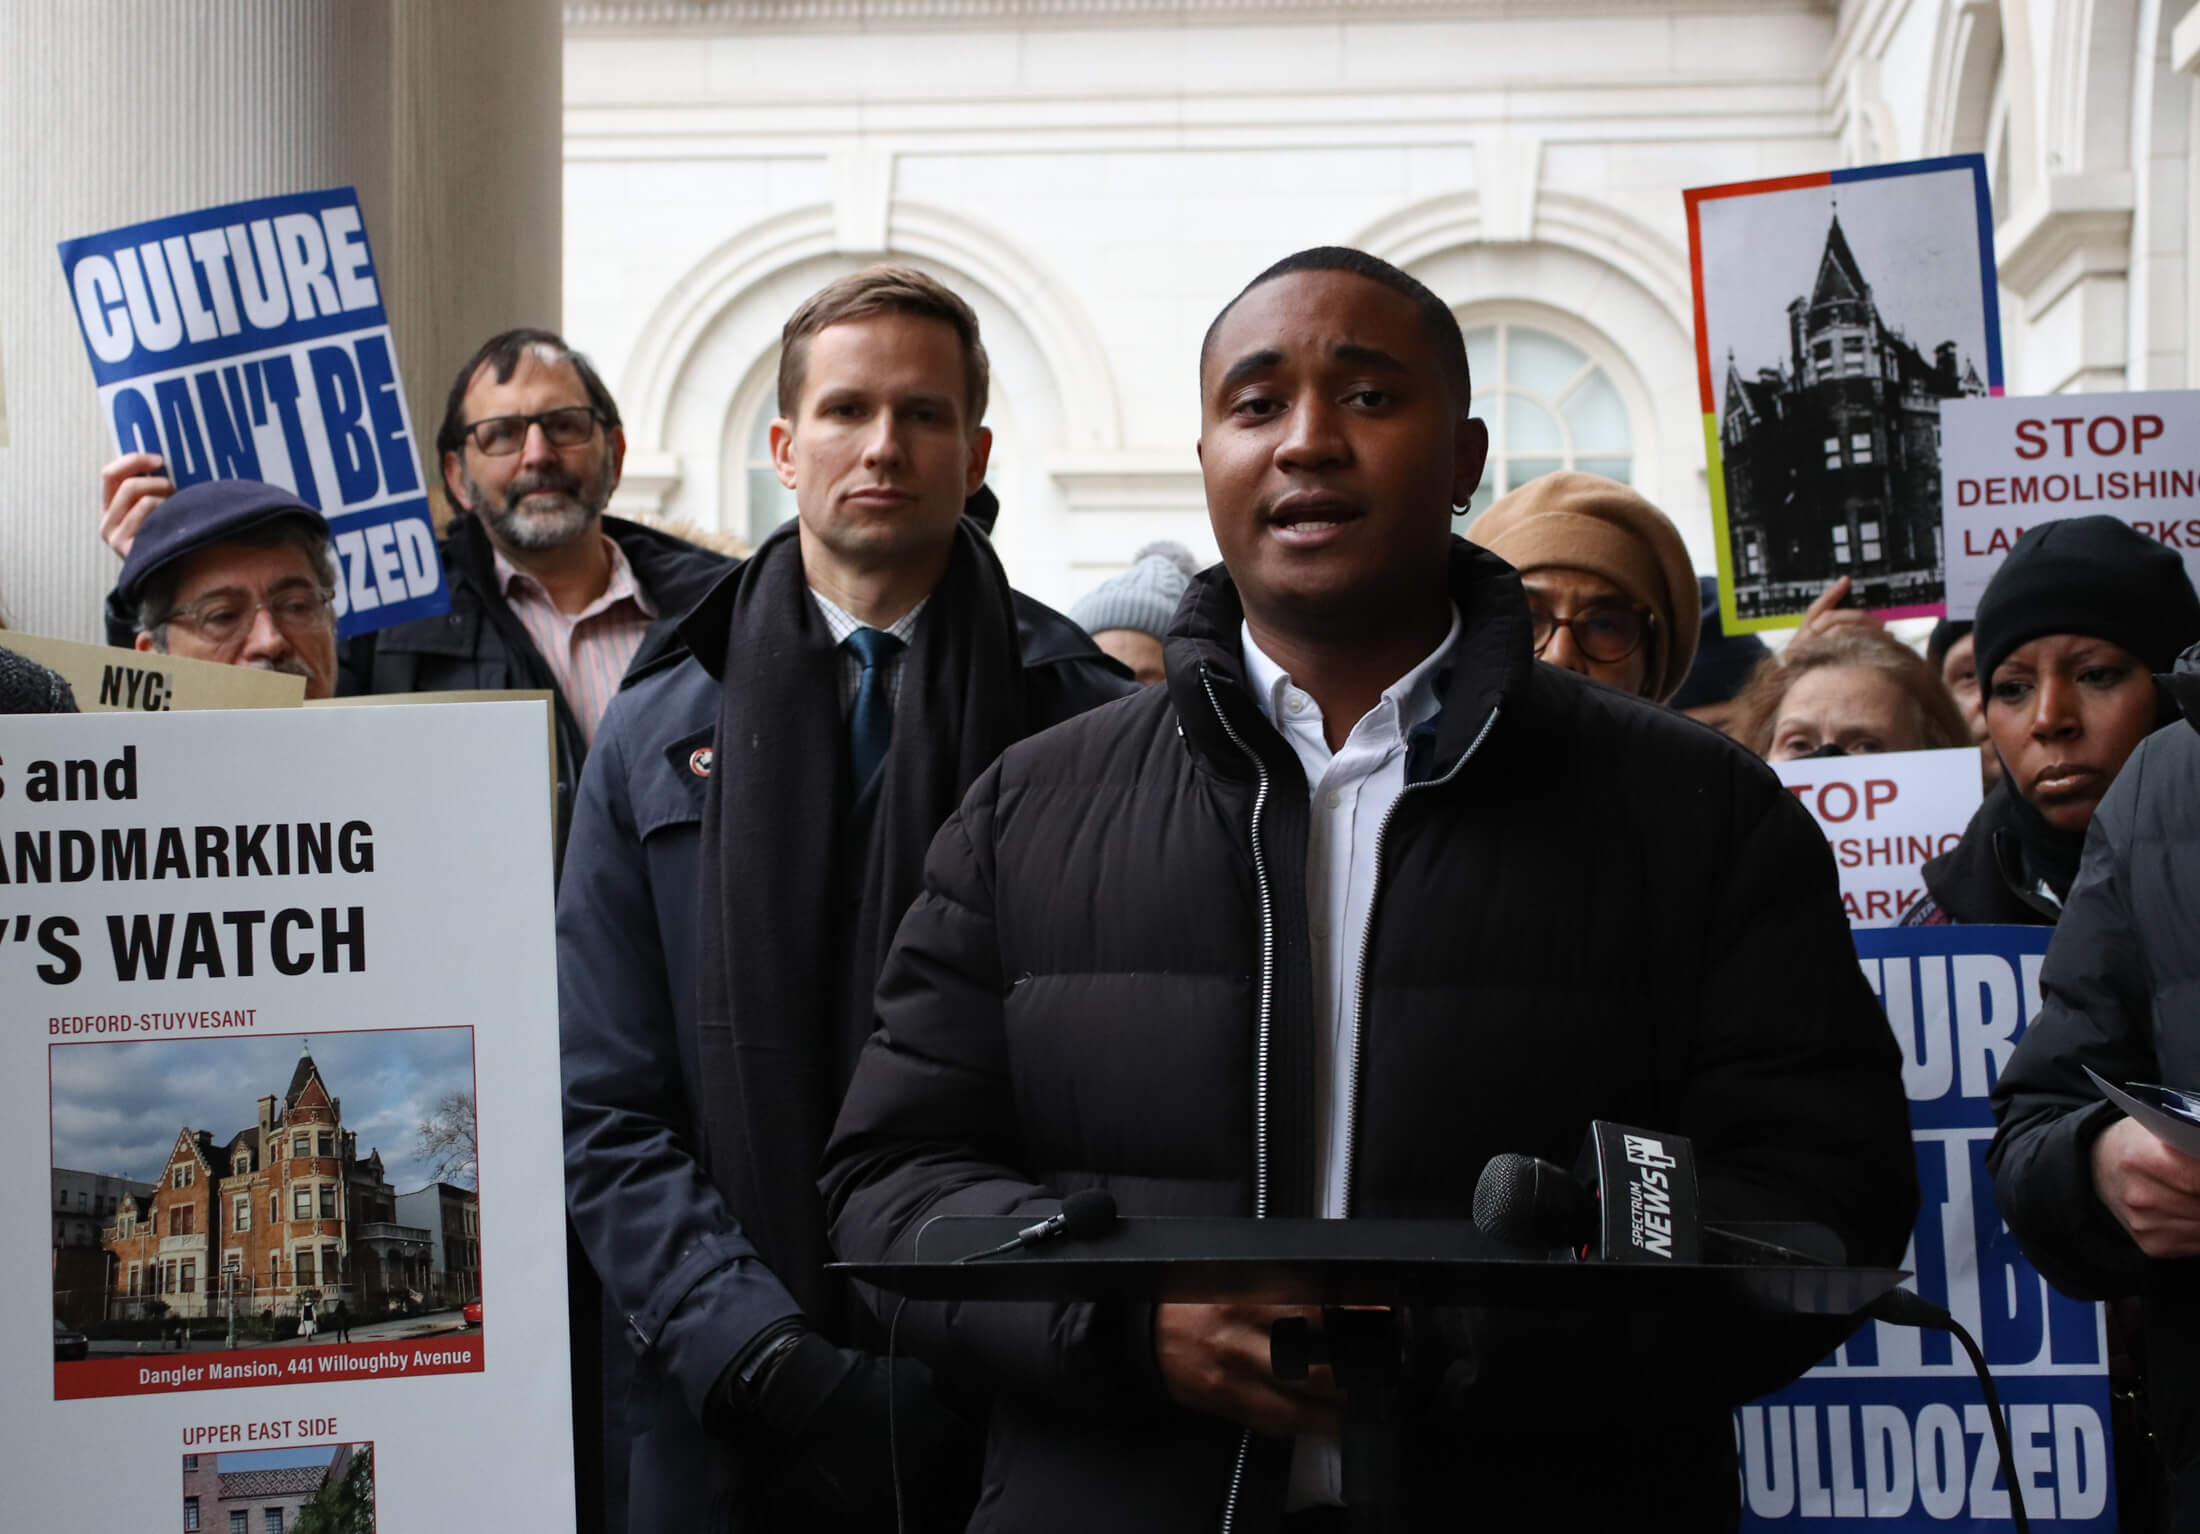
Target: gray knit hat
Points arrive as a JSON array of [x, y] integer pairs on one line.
[[1144, 597]]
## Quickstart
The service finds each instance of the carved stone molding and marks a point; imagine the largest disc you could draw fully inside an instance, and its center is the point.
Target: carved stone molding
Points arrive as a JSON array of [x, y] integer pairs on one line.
[[831, 15], [2080, 229], [1131, 482]]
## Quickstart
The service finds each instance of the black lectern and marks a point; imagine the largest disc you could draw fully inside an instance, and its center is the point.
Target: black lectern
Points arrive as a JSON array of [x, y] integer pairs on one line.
[[1347, 1265]]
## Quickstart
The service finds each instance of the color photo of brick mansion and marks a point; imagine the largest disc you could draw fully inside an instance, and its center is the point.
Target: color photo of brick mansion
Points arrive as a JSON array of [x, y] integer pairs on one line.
[[276, 1214]]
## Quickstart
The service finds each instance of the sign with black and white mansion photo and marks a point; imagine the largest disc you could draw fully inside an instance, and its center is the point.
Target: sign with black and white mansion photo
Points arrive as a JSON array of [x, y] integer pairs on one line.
[[1836, 314]]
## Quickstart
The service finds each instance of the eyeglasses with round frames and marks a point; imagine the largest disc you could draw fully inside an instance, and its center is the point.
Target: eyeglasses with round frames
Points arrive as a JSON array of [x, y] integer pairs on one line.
[[500, 436], [224, 619], [1606, 632]]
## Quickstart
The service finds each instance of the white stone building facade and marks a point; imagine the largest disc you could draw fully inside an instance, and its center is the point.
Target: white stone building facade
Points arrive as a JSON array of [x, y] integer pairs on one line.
[[1099, 176]]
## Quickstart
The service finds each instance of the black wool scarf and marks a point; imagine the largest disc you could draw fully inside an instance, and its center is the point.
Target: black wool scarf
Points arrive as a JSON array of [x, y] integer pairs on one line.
[[804, 883]]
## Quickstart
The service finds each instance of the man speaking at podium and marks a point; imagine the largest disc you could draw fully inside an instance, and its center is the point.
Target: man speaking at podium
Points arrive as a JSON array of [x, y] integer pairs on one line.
[[1361, 898]]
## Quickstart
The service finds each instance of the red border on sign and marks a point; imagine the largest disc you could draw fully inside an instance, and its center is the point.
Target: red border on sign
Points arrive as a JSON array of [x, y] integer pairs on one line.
[[240, 1369]]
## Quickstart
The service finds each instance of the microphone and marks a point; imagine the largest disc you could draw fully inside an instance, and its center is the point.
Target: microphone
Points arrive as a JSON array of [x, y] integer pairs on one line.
[[1631, 1198], [1085, 1214], [1527, 1201]]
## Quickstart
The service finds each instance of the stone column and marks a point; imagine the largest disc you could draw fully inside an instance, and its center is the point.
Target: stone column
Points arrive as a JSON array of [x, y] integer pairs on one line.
[[447, 118], [2184, 57]]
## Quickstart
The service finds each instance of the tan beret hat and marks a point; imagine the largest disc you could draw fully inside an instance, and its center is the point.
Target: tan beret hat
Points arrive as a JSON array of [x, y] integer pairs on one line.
[[1588, 522]]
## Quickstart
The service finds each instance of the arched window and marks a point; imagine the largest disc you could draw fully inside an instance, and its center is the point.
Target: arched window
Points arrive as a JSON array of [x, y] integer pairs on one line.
[[1550, 404]]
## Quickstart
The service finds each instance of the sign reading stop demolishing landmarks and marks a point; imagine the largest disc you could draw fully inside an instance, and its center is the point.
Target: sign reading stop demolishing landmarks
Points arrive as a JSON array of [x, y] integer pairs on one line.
[[250, 342], [284, 1030], [2015, 463], [1885, 816]]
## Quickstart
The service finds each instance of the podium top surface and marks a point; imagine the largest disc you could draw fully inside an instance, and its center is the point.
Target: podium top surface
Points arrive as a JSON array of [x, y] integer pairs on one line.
[[1345, 1262]]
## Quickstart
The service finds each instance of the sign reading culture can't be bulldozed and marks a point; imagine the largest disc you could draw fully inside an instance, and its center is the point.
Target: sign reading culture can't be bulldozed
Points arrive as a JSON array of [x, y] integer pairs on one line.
[[250, 342], [2010, 464], [1890, 1430]]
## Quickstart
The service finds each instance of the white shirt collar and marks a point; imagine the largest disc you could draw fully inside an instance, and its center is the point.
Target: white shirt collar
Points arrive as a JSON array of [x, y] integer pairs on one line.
[[1412, 699], [842, 622]]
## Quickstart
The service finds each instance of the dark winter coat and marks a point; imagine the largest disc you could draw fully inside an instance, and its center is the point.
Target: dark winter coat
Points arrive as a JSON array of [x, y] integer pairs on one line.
[[685, 1291], [2006, 871], [2120, 992], [481, 644], [1588, 906]]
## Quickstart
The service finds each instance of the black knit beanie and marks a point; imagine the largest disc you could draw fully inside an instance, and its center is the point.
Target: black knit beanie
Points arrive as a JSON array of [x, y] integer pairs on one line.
[[1946, 635], [2088, 575]]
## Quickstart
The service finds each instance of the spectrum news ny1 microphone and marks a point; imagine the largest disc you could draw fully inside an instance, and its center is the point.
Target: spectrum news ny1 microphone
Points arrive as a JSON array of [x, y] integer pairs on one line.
[[1085, 1214], [1632, 1198]]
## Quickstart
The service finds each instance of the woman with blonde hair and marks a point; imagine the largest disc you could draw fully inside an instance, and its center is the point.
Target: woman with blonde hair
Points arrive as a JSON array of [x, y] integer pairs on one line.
[[1846, 691]]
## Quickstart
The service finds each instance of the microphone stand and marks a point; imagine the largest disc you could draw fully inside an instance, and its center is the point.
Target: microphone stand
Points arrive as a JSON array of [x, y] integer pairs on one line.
[[1365, 1352]]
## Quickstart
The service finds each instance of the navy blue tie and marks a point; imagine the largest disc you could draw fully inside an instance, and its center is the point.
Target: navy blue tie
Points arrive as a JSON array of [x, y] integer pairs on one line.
[[871, 721]]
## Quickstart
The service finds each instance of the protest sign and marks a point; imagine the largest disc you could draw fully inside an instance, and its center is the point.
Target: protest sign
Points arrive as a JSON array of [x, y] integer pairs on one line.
[[547, 698], [1835, 315], [1892, 1428], [107, 680], [256, 919], [1886, 815], [250, 342], [2015, 463]]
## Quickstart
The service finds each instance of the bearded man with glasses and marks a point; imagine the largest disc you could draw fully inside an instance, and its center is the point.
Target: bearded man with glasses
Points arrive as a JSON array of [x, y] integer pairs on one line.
[[546, 591]]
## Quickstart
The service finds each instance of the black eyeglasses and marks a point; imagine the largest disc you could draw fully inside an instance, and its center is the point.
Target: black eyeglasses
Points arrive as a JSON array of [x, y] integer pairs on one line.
[[1607, 632], [500, 436]]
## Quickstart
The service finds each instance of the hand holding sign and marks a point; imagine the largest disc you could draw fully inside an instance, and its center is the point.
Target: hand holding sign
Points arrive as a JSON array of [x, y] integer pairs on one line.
[[131, 486], [1828, 616], [250, 342]]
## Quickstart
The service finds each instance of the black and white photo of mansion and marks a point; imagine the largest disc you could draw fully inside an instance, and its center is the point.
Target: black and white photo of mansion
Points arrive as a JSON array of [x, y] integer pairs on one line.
[[1832, 458]]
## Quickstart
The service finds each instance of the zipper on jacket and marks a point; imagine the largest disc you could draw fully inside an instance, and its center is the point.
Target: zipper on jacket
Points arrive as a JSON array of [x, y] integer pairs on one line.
[[1261, 1038], [1265, 1016], [1350, 1128]]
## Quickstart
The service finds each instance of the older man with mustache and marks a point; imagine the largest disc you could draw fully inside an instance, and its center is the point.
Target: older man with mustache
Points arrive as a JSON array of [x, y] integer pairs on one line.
[[236, 572]]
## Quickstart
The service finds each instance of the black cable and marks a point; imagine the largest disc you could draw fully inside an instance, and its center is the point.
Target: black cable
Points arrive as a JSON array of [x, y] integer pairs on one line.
[[1903, 1308], [893, 1438]]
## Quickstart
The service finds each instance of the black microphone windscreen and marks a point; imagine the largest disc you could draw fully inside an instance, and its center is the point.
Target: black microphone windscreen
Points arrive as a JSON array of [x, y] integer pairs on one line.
[[1087, 1213], [1504, 1199], [1527, 1202]]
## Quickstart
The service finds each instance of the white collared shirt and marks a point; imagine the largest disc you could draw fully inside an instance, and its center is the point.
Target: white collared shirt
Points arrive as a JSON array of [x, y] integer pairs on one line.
[[1349, 793]]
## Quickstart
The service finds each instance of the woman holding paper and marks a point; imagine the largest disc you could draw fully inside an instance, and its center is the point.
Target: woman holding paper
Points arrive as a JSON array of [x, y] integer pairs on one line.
[[2070, 633], [2101, 1206]]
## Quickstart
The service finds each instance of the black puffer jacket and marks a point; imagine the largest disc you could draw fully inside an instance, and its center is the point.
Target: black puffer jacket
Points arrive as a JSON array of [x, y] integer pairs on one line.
[[2120, 992], [1588, 907]]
